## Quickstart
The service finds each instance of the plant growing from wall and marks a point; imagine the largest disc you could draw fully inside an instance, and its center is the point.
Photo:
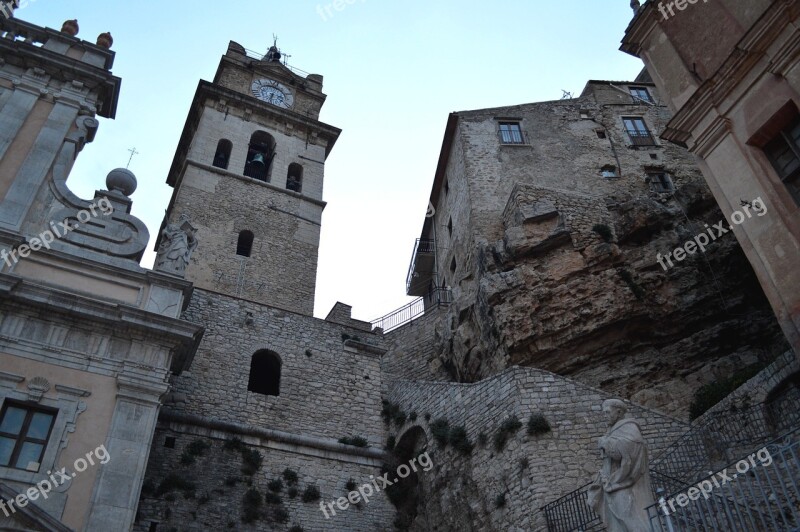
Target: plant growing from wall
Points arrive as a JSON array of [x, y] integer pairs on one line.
[[280, 515], [234, 444], [391, 443], [193, 450], [507, 429], [483, 439], [460, 441], [289, 476], [604, 231], [275, 485], [251, 461], [440, 429], [311, 493], [351, 485], [413, 416], [355, 441], [538, 425], [251, 506], [292, 492], [296, 528], [272, 498], [173, 482]]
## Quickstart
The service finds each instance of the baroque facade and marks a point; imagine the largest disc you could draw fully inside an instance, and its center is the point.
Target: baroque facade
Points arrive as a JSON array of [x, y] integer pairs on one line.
[[204, 395]]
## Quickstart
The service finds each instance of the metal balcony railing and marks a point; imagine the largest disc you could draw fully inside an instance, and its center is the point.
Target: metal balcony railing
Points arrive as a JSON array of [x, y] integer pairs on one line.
[[641, 138], [422, 246], [415, 309]]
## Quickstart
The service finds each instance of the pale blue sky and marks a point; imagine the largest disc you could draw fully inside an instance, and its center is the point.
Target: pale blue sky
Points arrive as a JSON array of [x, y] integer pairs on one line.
[[393, 71]]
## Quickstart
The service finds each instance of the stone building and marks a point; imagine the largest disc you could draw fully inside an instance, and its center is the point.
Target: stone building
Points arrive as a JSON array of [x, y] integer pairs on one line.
[[87, 336], [728, 70], [551, 227]]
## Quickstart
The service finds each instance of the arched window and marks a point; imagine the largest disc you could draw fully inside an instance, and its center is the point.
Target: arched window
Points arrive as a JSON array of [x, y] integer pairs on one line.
[[260, 153], [265, 373], [223, 155], [294, 179], [245, 244]]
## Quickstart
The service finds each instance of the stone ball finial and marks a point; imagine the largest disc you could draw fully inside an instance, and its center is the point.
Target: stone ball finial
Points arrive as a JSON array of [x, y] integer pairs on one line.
[[70, 27], [121, 180], [105, 40]]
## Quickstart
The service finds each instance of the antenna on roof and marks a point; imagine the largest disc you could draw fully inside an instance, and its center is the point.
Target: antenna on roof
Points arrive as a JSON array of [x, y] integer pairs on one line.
[[566, 95]]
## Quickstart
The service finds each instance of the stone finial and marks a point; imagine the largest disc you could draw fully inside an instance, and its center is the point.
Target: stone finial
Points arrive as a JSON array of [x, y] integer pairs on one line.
[[636, 6], [121, 180], [70, 27], [105, 40]]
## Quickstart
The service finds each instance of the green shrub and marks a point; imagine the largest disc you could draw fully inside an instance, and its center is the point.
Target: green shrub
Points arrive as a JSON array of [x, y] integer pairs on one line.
[[399, 418], [441, 431], [292, 492], [460, 441], [275, 485], [355, 441], [289, 476], [500, 500], [251, 504], [193, 450], [604, 231], [251, 461], [351, 485], [413, 416], [174, 482], [710, 394], [537, 425], [510, 426], [280, 515], [391, 443], [234, 444], [272, 498], [311, 494]]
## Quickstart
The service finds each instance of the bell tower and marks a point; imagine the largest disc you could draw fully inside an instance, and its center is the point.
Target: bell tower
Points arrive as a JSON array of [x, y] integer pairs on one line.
[[248, 173]]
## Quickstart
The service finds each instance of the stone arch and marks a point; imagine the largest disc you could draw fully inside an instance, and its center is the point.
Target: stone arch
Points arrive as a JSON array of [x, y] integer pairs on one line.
[[411, 444]]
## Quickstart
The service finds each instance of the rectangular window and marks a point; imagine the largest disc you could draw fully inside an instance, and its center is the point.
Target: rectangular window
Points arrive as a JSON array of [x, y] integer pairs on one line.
[[24, 431], [638, 132], [641, 93], [511, 133], [783, 152], [660, 181]]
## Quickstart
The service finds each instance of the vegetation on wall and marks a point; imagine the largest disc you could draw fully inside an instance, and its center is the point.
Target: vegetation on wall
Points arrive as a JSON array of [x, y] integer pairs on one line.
[[604, 231], [710, 394], [507, 429], [355, 441], [538, 425]]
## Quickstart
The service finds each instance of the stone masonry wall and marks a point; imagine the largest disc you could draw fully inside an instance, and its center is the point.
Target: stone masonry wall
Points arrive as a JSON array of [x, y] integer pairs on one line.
[[341, 400], [413, 348], [210, 492], [531, 471]]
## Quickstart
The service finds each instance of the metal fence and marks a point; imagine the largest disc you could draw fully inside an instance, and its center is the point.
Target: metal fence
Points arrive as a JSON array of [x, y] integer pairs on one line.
[[709, 446], [751, 495]]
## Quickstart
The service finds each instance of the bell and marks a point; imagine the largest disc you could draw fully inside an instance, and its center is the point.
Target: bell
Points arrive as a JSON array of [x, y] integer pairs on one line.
[[258, 159]]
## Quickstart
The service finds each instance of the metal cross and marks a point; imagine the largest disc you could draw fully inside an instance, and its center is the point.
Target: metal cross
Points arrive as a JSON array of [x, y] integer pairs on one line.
[[133, 152]]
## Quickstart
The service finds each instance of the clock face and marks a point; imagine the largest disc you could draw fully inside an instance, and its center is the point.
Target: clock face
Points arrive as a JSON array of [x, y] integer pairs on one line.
[[273, 92]]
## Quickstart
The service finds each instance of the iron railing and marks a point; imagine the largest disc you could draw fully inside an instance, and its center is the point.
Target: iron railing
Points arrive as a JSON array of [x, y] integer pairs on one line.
[[755, 495], [641, 138], [709, 446], [421, 246], [413, 310]]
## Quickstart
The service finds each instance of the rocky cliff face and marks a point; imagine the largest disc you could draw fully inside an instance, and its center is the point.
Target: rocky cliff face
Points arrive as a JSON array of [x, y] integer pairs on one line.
[[595, 305]]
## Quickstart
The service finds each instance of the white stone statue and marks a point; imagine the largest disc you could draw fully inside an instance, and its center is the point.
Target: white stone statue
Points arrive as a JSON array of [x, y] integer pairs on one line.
[[621, 492], [177, 244]]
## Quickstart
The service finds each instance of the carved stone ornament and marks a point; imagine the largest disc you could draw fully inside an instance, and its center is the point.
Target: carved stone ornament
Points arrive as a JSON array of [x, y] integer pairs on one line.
[[37, 387]]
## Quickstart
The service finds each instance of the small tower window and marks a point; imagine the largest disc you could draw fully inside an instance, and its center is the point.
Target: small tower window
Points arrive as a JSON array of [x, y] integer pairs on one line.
[[260, 153], [453, 265], [294, 179], [223, 154], [601, 133], [265, 373], [244, 246]]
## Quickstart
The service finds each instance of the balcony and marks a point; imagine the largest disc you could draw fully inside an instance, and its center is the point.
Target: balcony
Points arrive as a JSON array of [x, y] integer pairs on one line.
[[422, 269], [641, 138]]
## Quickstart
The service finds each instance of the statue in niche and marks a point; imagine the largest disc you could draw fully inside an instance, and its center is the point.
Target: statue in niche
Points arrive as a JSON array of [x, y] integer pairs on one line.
[[178, 242], [621, 492]]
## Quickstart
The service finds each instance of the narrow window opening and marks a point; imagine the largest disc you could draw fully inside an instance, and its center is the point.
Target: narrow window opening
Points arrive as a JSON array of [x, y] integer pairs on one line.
[[169, 442], [223, 154], [446, 187], [450, 226], [601, 133], [654, 156], [453, 265], [244, 246], [265, 373], [294, 178]]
